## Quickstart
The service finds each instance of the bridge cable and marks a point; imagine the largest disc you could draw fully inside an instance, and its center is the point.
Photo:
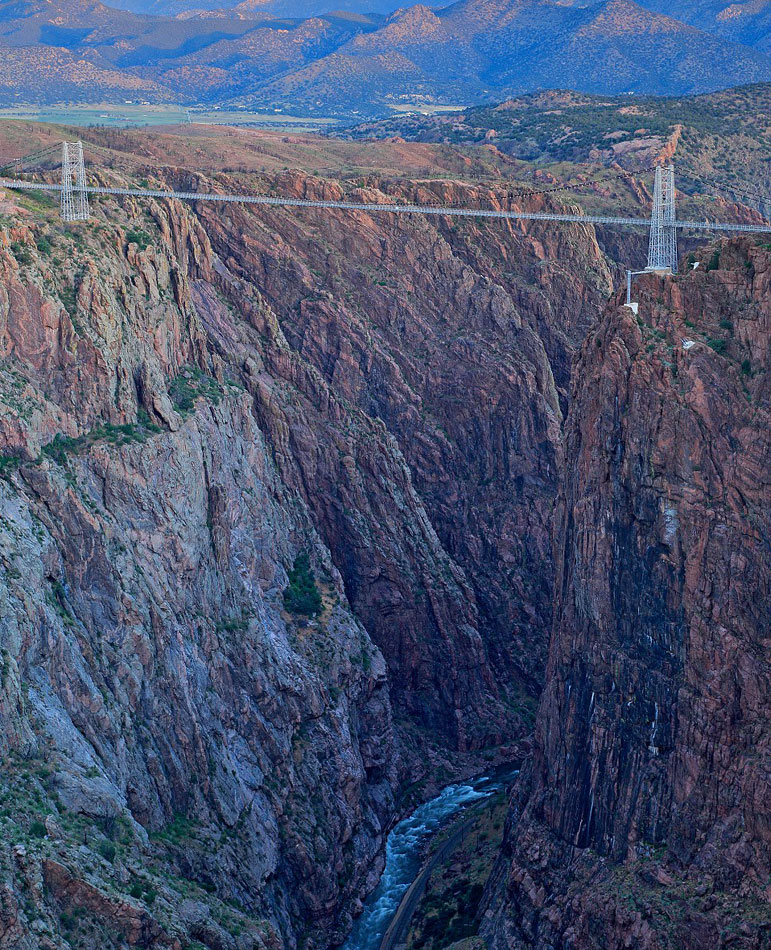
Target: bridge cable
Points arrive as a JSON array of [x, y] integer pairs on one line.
[[32, 157], [765, 199]]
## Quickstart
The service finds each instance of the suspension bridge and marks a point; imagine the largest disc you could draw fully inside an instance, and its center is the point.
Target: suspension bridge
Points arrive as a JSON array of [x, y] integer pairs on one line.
[[663, 223]]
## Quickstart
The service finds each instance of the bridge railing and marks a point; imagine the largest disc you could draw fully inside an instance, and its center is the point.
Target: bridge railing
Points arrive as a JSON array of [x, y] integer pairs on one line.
[[663, 224]]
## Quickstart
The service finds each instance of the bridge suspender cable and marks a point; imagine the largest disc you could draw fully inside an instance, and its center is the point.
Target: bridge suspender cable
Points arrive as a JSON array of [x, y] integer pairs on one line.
[[663, 223]]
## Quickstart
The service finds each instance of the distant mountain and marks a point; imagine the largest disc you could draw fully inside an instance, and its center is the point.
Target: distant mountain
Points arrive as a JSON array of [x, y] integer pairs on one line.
[[296, 9], [613, 46], [346, 64], [747, 22], [477, 50]]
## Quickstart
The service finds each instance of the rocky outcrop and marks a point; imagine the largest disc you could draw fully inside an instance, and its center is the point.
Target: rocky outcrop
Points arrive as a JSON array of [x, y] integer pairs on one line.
[[643, 820], [190, 399], [171, 737], [134, 924]]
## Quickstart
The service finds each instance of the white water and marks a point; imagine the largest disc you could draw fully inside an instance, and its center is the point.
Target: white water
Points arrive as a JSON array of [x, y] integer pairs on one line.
[[404, 852]]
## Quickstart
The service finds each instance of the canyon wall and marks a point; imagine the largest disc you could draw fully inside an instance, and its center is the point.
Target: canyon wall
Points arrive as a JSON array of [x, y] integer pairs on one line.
[[190, 399], [457, 337], [168, 730], [642, 819]]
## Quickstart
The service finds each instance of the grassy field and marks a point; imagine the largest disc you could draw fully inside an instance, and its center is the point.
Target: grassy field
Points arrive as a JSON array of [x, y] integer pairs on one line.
[[114, 115]]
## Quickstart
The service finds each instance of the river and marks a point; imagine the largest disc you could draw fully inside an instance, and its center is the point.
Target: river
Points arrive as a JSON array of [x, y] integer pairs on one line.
[[405, 849]]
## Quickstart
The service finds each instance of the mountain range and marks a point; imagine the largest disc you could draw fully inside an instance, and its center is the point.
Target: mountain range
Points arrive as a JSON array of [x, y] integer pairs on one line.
[[347, 64], [297, 9], [746, 22]]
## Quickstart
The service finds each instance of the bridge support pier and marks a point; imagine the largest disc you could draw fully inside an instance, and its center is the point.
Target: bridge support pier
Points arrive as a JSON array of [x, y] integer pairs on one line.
[[662, 246], [74, 195]]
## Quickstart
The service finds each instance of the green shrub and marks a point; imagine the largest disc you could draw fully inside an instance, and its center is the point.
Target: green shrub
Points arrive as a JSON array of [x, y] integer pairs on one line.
[[9, 463], [302, 596], [150, 894], [141, 238], [143, 420], [714, 261], [107, 850], [61, 447], [69, 298], [37, 829], [192, 384], [232, 625], [717, 345], [21, 252]]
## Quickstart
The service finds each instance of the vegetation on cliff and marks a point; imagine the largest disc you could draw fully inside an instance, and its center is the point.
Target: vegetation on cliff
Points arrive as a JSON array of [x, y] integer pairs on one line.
[[301, 595]]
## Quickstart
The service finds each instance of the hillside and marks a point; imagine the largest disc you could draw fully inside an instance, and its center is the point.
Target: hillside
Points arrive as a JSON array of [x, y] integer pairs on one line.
[[296, 9], [343, 64], [31, 74], [747, 22], [721, 140]]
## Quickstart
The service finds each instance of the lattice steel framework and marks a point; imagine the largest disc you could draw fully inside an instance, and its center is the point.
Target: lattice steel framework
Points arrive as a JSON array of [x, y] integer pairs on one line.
[[662, 246], [74, 184], [662, 225]]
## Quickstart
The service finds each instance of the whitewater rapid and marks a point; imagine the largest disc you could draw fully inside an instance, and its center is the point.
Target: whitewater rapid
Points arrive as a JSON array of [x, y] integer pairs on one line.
[[405, 848]]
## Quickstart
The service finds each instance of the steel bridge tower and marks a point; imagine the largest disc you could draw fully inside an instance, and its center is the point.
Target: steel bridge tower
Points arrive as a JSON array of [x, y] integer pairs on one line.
[[74, 194], [662, 247]]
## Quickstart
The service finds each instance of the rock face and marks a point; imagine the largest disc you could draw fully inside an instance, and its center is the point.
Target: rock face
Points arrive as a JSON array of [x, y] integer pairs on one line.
[[643, 820], [188, 402], [458, 339], [151, 680]]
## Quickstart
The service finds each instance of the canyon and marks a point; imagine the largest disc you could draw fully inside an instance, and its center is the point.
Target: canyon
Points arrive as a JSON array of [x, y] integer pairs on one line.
[[643, 819], [477, 454], [191, 400]]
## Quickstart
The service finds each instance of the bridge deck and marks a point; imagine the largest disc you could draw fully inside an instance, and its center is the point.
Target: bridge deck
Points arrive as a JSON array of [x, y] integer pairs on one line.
[[449, 211]]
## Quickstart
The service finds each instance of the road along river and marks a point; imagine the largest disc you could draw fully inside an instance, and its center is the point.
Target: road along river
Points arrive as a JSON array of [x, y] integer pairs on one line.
[[405, 850]]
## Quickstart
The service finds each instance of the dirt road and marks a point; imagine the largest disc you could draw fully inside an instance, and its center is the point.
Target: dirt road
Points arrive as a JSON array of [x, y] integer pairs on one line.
[[396, 935]]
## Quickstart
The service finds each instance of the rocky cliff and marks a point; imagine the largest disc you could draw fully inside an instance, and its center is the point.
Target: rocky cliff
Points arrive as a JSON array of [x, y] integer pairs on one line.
[[182, 758], [190, 400], [458, 340], [643, 820]]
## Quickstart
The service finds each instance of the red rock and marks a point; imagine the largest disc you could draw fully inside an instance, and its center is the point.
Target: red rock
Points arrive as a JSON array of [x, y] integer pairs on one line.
[[134, 924], [652, 743]]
